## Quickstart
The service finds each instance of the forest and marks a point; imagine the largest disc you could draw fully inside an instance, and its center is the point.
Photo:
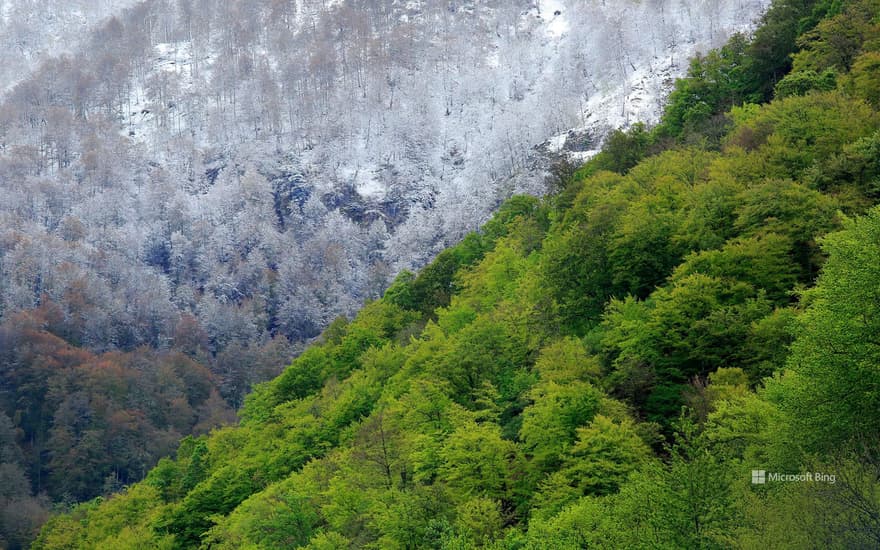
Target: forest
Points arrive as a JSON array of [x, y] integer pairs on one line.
[[192, 190], [637, 360]]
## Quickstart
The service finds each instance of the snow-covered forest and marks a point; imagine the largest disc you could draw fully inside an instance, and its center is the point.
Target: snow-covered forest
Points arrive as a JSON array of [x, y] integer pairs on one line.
[[266, 166], [32, 31]]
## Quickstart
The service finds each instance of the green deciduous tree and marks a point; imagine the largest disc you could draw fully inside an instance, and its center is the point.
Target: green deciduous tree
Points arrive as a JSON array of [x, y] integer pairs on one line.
[[830, 389]]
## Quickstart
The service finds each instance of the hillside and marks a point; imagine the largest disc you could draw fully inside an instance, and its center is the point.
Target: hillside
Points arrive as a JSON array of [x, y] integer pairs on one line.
[[264, 193], [191, 191], [34, 32], [637, 361]]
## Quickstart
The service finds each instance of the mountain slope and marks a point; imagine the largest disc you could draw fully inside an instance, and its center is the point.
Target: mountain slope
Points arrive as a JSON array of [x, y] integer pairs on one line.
[[604, 367], [194, 146], [33, 32], [199, 188]]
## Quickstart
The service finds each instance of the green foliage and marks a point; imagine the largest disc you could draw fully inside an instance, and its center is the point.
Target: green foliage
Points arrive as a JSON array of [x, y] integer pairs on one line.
[[856, 166], [863, 81], [763, 261], [328, 541], [714, 84], [605, 453], [643, 251], [686, 502], [303, 377], [117, 523], [574, 263], [549, 425], [829, 391], [769, 53], [790, 135], [808, 80], [434, 285], [400, 293], [836, 41], [623, 150], [767, 347], [566, 360], [280, 517], [476, 461], [841, 515], [479, 520], [687, 329], [821, 10], [511, 213]]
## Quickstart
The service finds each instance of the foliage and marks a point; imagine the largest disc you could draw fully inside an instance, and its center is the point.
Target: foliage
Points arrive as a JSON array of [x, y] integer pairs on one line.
[[828, 392], [801, 82], [713, 85]]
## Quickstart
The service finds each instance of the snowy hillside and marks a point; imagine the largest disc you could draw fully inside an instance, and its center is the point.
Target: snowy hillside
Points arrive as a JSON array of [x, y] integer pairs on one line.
[[265, 166], [33, 31], [436, 114]]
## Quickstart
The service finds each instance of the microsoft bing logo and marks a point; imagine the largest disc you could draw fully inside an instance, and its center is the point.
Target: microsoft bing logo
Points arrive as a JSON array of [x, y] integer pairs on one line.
[[761, 477]]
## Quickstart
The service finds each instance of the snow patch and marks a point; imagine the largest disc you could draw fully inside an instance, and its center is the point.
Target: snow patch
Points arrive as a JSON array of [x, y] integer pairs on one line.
[[365, 181], [493, 59], [556, 143], [173, 56], [553, 12]]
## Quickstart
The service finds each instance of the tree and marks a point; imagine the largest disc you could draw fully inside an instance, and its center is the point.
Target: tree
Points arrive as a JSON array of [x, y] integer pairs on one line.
[[605, 453], [793, 133], [863, 79], [550, 423], [476, 462], [714, 84], [623, 149], [827, 391], [802, 82], [763, 261], [836, 41]]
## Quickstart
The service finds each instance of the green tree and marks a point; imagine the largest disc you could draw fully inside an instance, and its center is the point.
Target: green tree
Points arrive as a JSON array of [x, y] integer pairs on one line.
[[714, 84], [829, 390], [549, 425], [623, 149], [605, 453], [836, 41], [801, 82], [476, 461], [764, 261], [863, 80]]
